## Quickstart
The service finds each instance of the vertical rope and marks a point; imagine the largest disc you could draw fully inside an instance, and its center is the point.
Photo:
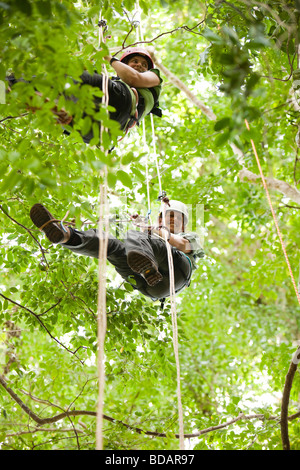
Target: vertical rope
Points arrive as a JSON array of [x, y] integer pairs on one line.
[[101, 312], [274, 215], [147, 172], [175, 331], [103, 240], [155, 153], [170, 264]]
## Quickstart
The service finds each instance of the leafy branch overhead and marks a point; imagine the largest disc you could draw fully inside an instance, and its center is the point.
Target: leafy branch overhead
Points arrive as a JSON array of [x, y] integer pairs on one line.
[[222, 63]]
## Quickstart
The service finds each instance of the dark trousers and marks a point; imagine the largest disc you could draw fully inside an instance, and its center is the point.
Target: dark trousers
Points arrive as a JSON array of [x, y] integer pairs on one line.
[[118, 96], [152, 246]]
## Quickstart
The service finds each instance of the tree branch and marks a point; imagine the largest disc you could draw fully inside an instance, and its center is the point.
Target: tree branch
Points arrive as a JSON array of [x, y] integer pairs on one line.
[[37, 317], [29, 231], [13, 117], [37, 429], [272, 183], [184, 27], [68, 413], [285, 401]]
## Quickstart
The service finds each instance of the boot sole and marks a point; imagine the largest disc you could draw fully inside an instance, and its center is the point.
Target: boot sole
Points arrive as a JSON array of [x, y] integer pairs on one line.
[[39, 216], [144, 266]]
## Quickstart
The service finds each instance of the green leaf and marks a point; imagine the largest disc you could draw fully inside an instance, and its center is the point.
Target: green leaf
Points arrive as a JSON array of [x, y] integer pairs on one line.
[[222, 139], [222, 123], [212, 36], [127, 158], [86, 125], [128, 287], [124, 178]]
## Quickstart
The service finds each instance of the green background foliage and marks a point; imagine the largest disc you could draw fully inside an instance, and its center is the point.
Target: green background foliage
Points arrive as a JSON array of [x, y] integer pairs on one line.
[[239, 320]]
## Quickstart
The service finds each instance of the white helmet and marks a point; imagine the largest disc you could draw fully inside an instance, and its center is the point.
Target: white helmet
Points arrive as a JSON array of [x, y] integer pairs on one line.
[[179, 207]]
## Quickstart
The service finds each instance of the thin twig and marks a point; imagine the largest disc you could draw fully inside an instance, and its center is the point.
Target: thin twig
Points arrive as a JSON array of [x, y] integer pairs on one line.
[[36, 316], [27, 230], [50, 308], [184, 27], [13, 117]]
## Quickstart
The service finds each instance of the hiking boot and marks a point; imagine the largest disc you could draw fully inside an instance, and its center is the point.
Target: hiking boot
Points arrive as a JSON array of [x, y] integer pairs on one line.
[[53, 228], [141, 264]]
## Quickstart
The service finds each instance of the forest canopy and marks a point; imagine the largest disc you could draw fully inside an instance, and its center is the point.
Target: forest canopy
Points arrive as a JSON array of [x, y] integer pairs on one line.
[[224, 64]]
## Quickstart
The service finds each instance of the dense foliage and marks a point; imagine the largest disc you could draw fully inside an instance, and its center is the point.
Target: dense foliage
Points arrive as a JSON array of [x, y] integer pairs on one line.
[[239, 320]]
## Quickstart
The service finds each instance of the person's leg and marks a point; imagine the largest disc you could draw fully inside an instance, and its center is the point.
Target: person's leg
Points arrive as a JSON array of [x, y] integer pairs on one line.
[[155, 249], [86, 243], [182, 273], [140, 256]]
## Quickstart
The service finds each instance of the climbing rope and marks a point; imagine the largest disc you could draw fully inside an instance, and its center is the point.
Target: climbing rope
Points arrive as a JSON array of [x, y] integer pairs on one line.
[[147, 174], [273, 214], [101, 308], [103, 229], [174, 327], [170, 258]]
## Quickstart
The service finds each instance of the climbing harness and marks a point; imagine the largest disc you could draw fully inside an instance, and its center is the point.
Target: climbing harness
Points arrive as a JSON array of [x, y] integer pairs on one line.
[[133, 119]]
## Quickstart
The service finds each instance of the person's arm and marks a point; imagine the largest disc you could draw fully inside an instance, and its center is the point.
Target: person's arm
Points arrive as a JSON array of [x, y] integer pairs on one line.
[[133, 77], [175, 240]]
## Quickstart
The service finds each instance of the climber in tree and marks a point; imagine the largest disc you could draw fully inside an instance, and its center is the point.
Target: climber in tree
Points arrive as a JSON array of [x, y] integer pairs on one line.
[[134, 92], [142, 258]]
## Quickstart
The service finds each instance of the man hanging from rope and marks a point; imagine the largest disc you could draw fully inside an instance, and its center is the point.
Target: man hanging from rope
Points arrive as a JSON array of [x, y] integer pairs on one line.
[[141, 259], [134, 93]]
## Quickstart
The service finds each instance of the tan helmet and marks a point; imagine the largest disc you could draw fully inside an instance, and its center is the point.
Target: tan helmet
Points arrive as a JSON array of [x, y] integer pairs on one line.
[[179, 207]]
